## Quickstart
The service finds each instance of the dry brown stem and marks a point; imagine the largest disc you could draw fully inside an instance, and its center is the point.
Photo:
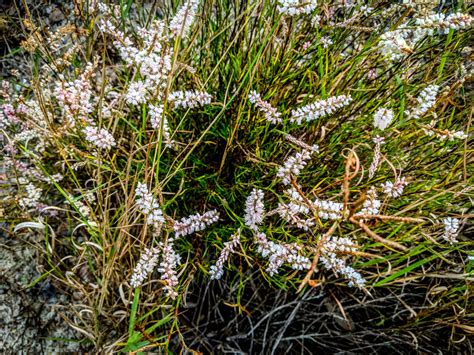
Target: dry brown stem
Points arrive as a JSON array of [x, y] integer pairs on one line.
[[377, 237], [321, 242], [352, 160]]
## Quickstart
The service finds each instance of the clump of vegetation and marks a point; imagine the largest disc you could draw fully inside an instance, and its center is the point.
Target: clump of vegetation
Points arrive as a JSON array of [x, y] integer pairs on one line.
[[261, 146]]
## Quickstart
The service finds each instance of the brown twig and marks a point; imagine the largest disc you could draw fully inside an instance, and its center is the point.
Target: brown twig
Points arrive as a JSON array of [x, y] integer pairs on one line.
[[377, 237], [307, 278], [308, 202], [350, 161], [358, 203]]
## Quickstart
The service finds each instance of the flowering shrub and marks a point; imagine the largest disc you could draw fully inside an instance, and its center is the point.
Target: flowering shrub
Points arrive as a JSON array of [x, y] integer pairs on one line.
[[316, 144]]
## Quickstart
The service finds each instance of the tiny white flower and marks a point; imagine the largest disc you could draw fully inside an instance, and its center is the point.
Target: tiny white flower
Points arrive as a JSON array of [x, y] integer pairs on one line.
[[148, 205], [181, 23], [136, 93], [144, 267], [167, 268], [33, 196], [254, 209], [216, 271], [382, 118], [157, 116], [279, 253], [99, 137], [271, 113], [195, 223], [451, 228], [319, 108], [189, 99], [293, 165], [296, 7], [332, 262], [426, 99], [394, 189], [325, 41]]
